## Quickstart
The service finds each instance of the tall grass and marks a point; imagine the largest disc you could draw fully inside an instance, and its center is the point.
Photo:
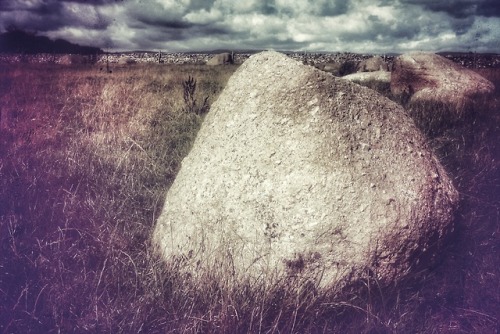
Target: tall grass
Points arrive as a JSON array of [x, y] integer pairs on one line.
[[86, 158]]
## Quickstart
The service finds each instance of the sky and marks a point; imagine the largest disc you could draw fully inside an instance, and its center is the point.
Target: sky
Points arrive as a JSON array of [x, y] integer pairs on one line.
[[361, 26]]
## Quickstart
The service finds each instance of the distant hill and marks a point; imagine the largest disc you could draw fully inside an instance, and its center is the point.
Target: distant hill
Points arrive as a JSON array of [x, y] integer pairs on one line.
[[19, 41]]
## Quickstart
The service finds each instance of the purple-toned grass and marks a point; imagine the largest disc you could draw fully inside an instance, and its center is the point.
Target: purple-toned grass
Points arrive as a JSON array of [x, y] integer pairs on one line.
[[86, 158]]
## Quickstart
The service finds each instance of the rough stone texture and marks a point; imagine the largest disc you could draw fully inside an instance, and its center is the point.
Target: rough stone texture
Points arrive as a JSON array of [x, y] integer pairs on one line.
[[331, 67], [380, 76], [221, 59], [373, 64], [296, 172], [425, 76]]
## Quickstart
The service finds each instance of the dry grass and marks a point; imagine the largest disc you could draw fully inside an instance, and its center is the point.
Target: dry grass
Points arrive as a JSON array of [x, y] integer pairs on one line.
[[86, 158], [465, 287]]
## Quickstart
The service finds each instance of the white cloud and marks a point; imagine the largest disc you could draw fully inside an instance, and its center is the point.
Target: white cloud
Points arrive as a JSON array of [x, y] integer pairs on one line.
[[176, 6], [86, 15], [204, 17]]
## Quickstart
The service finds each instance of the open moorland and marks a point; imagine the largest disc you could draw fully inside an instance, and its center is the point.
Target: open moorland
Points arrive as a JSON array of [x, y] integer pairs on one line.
[[86, 158]]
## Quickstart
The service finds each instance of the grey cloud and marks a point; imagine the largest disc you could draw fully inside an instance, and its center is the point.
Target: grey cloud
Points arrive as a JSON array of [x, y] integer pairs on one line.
[[256, 24], [45, 8], [260, 7], [457, 9], [159, 24], [29, 22], [460, 8], [156, 27], [269, 8], [461, 26], [50, 15], [316, 8], [162, 38], [94, 2], [333, 8], [155, 15], [458, 18], [489, 8], [401, 30], [176, 24], [200, 4], [385, 36]]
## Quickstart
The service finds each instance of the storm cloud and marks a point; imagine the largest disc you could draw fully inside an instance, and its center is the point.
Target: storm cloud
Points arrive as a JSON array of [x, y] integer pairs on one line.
[[460, 8], [364, 26]]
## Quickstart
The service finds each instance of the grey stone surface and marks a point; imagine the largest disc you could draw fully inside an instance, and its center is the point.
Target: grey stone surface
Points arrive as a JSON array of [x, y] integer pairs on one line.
[[331, 68], [423, 76], [221, 59], [295, 172], [380, 76], [373, 64]]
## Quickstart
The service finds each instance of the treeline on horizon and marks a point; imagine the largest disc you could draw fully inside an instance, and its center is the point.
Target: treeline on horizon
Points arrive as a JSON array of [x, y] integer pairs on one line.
[[19, 41]]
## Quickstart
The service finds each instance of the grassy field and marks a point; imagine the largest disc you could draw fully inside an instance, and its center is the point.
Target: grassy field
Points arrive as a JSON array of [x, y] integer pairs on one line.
[[86, 158]]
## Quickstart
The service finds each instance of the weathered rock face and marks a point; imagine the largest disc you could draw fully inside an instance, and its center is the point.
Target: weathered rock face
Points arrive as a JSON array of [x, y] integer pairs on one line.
[[331, 68], [373, 64], [380, 76], [295, 172], [429, 77], [221, 59], [339, 68]]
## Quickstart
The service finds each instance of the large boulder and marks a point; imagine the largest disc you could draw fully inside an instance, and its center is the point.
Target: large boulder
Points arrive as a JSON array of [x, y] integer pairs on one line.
[[373, 64], [221, 59], [428, 77], [295, 172], [362, 77]]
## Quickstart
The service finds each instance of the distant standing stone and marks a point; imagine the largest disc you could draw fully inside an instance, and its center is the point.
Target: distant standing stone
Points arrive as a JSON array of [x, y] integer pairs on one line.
[[221, 59]]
